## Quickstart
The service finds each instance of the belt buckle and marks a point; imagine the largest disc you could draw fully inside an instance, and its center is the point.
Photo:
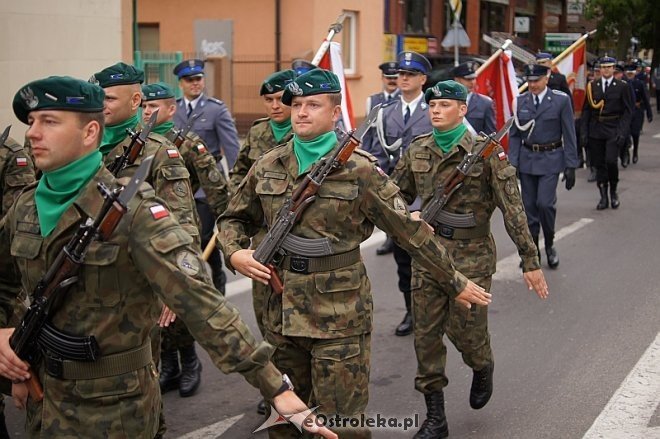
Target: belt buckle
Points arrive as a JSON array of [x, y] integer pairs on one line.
[[299, 264], [446, 231], [536, 147], [54, 366]]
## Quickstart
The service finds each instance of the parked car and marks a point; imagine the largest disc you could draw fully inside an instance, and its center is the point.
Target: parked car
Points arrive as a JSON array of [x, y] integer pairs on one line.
[[443, 64]]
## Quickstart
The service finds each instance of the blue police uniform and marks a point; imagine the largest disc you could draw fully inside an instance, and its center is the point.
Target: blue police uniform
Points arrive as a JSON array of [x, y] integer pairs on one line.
[[390, 70], [480, 116], [642, 105], [542, 143]]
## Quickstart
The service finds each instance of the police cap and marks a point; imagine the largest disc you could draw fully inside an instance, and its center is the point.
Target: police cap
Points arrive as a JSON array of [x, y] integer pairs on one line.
[[189, 67], [413, 62]]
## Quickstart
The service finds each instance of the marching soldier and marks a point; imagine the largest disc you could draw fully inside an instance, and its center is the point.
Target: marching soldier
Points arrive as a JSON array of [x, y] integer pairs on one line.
[[481, 114], [398, 123], [321, 323], [176, 339], [642, 105], [147, 258], [16, 172], [556, 80], [542, 144], [427, 162], [605, 127], [389, 76], [264, 134]]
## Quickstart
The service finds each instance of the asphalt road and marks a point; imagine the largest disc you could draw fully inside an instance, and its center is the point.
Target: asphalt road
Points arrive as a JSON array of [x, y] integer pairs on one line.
[[592, 348]]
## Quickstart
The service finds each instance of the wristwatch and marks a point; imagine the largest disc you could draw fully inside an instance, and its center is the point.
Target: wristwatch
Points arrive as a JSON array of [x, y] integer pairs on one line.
[[286, 385]]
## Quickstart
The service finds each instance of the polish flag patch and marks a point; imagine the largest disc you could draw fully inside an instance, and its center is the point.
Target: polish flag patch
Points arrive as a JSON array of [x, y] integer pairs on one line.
[[201, 148], [21, 161], [501, 155], [159, 211], [173, 153]]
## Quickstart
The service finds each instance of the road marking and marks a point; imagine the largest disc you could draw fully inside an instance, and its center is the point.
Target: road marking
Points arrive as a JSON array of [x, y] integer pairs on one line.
[[508, 268], [213, 431], [657, 136], [628, 412], [244, 284]]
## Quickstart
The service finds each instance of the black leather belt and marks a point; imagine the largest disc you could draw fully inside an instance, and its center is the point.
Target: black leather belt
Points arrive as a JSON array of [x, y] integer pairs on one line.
[[607, 118], [305, 265], [543, 147]]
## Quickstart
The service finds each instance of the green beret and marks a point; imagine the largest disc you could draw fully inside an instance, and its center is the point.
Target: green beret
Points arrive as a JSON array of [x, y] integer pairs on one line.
[[58, 93], [157, 91], [118, 74], [447, 90], [277, 81], [314, 82]]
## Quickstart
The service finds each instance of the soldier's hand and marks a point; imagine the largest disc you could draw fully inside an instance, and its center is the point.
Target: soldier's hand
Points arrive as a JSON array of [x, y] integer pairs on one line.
[[11, 366], [535, 280], [569, 178], [417, 216], [244, 263], [288, 403], [19, 393], [473, 293], [167, 317]]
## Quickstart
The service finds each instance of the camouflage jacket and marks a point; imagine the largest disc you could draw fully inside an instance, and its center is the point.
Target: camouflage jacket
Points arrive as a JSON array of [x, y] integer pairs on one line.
[[148, 257], [204, 172], [259, 139], [16, 172], [489, 184], [350, 202], [169, 177]]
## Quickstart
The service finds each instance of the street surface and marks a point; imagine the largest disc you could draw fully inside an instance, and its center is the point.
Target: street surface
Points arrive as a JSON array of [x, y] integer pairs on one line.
[[583, 364]]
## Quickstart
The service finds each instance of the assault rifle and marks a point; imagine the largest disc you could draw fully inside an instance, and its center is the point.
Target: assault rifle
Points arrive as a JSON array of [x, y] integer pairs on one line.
[[132, 151], [433, 212], [35, 332], [270, 252], [180, 135]]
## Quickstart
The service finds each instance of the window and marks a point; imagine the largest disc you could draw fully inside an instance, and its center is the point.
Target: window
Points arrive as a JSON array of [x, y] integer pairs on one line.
[[148, 37], [418, 16], [349, 42]]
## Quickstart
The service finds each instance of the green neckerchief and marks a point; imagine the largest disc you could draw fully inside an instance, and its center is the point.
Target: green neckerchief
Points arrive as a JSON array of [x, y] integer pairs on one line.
[[58, 189], [163, 128], [447, 139], [309, 151], [280, 129], [113, 134]]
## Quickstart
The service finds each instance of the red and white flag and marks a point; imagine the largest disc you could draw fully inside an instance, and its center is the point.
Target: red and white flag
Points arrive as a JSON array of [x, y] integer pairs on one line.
[[498, 81], [332, 60], [574, 67]]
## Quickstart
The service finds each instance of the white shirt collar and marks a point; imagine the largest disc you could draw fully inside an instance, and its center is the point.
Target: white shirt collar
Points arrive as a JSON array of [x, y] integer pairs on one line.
[[413, 104], [607, 82], [542, 94], [194, 102]]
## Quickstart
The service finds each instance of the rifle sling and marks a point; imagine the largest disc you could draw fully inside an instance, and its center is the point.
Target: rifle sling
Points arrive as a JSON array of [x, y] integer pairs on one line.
[[305, 265]]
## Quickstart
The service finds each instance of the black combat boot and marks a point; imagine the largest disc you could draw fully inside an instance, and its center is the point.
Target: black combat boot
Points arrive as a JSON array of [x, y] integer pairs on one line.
[[551, 252], [482, 386], [169, 371], [261, 407], [604, 199], [191, 372], [387, 247], [406, 325], [592, 174], [614, 196], [4, 434], [435, 424]]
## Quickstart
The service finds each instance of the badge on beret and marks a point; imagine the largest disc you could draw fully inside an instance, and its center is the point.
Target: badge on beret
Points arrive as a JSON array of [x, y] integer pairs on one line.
[[30, 99], [92, 80], [295, 89], [188, 263], [268, 87], [437, 92]]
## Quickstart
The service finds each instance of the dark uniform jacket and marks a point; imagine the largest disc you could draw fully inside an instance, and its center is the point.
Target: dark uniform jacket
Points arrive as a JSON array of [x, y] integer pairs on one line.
[[642, 105], [481, 114], [607, 116], [557, 81], [379, 98]]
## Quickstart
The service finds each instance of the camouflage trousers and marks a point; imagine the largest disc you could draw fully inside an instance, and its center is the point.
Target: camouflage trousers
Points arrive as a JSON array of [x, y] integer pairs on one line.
[[332, 374], [436, 314], [260, 295]]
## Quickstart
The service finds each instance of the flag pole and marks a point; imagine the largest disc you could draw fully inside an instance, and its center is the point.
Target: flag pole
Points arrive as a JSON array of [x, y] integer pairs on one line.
[[570, 49], [493, 57], [335, 28]]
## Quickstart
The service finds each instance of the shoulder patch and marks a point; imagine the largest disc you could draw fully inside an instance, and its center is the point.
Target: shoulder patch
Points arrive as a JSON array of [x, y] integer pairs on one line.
[[158, 211], [21, 161], [365, 154], [173, 153], [201, 148], [260, 120]]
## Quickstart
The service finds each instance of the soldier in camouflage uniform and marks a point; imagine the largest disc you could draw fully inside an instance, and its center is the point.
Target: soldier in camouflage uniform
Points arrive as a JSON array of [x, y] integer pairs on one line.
[[203, 173], [169, 176], [490, 184], [149, 256], [16, 172], [321, 324]]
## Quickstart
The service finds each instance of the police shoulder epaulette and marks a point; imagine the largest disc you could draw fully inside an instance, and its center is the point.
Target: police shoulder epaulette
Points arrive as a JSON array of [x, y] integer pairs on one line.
[[487, 98], [389, 104], [215, 100], [13, 145], [623, 81], [364, 153], [559, 93], [260, 120]]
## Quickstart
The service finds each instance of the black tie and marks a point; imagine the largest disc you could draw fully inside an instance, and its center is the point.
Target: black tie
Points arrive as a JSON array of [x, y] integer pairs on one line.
[[190, 109], [536, 102], [406, 116], [607, 84]]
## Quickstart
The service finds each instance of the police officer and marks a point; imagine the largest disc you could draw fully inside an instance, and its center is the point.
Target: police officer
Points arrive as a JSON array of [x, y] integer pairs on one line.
[[606, 120], [425, 164], [642, 105], [556, 80], [148, 257], [16, 172], [542, 144], [398, 123], [481, 114], [215, 125], [389, 75], [203, 173], [321, 323]]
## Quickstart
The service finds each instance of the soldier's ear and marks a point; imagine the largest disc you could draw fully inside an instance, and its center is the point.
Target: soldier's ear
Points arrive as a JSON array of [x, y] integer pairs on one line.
[[462, 108]]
